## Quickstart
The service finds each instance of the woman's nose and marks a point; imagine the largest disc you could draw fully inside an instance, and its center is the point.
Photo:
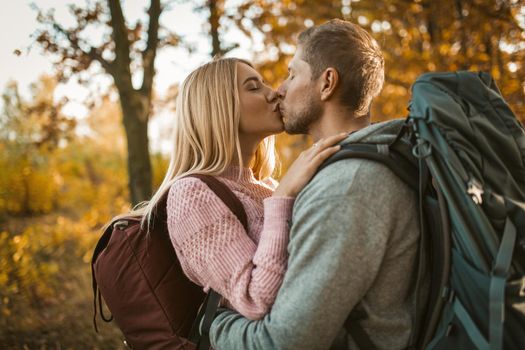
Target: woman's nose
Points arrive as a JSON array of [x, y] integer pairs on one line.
[[272, 95]]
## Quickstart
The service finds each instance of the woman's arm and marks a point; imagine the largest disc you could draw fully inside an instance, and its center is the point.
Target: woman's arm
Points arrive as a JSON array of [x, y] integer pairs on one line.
[[216, 252]]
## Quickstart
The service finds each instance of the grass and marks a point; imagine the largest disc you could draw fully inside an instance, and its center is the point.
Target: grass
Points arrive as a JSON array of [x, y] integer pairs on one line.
[[62, 319]]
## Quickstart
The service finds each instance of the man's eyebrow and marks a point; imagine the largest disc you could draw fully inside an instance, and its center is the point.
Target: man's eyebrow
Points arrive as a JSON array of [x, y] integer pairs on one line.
[[250, 79]]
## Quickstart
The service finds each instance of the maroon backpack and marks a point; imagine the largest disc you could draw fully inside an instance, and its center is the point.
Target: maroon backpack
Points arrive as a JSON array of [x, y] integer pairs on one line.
[[140, 278]]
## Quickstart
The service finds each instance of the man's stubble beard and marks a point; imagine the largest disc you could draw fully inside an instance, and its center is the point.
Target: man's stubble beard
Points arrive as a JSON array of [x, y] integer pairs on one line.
[[300, 121]]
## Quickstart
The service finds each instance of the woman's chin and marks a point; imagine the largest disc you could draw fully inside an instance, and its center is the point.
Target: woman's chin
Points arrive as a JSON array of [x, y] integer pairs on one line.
[[279, 125], [280, 129], [276, 130]]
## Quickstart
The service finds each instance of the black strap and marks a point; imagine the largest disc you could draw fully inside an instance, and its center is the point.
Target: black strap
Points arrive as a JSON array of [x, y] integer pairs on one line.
[[359, 335], [440, 267], [424, 176], [194, 335], [205, 325], [195, 332]]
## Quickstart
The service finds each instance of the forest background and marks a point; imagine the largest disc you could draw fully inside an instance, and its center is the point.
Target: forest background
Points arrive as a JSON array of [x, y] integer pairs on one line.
[[66, 166]]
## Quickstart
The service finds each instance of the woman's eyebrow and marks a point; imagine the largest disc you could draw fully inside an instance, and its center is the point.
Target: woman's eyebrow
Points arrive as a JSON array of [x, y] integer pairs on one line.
[[250, 79]]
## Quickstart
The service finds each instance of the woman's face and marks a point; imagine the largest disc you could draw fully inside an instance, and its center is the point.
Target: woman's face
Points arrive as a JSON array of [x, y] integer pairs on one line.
[[260, 115]]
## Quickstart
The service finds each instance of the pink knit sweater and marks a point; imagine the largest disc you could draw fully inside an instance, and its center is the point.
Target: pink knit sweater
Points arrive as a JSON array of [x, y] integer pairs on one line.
[[214, 249]]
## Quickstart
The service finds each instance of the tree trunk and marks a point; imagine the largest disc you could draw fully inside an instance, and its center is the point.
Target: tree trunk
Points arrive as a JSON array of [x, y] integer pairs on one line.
[[136, 105], [139, 164], [214, 28]]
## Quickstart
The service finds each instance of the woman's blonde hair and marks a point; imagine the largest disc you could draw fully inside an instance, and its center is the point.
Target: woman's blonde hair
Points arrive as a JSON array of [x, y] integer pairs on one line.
[[206, 131]]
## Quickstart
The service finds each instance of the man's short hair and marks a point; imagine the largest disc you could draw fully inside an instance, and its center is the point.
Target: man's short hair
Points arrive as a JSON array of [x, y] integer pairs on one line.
[[353, 53]]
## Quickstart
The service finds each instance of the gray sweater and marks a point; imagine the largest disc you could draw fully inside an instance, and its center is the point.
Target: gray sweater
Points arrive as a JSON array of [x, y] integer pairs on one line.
[[353, 246]]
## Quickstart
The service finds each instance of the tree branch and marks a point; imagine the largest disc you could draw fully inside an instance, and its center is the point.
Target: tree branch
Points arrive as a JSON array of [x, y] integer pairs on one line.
[[149, 54], [214, 28], [93, 53], [122, 61], [97, 56]]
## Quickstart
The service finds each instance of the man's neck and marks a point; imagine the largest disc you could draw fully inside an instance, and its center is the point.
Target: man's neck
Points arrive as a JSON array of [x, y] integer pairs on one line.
[[336, 120]]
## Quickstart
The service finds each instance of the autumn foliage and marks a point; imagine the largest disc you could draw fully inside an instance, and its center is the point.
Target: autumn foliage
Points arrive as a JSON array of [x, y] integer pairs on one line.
[[64, 177]]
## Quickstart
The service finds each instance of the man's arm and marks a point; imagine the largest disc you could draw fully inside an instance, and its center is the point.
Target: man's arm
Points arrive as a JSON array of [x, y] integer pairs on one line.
[[336, 248]]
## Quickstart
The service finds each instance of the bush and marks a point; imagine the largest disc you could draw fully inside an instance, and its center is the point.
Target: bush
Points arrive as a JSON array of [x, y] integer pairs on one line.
[[56, 209]]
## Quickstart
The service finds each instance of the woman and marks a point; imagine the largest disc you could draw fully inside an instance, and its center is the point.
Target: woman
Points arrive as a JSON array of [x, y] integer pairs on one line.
[[225, 120]]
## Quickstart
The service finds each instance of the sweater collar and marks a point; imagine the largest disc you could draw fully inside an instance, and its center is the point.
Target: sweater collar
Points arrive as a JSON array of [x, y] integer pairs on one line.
[[232, 173]]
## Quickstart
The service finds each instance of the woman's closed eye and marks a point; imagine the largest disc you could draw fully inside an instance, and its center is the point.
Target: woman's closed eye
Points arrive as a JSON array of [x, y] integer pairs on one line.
[[255, 85]]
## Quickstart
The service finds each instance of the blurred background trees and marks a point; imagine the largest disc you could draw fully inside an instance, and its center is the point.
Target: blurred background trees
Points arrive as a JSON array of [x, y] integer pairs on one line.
[[416, 36], [64, 176], [123, 52]]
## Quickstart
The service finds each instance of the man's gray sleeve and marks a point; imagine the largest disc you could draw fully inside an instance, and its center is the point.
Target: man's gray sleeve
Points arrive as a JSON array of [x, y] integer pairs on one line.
[[336, 247]]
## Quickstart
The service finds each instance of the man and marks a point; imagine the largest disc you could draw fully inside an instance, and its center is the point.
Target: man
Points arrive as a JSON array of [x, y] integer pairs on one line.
[[354, 234]]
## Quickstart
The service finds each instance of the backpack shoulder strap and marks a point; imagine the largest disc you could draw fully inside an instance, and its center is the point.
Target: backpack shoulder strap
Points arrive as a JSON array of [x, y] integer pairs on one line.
[[226, 195], [389, 155]]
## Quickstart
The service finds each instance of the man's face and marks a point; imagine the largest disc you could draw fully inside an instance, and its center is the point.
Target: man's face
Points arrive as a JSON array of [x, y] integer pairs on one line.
[[301, 103]]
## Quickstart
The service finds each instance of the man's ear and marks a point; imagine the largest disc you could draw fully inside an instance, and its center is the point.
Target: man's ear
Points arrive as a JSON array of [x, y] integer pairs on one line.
[[329, 80]]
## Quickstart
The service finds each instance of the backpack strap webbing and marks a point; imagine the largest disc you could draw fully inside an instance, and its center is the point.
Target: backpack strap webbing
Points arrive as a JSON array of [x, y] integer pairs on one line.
[[382, 153], [497, 285], [423, 182], [359, 336]]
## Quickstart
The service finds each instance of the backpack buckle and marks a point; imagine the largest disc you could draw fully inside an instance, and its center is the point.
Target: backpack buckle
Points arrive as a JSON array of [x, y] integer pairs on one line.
[[475, 190], [422, 149]]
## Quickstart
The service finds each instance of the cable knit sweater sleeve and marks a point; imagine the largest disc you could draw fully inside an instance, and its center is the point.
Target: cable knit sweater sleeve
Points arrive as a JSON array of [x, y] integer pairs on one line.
[[216, 252]]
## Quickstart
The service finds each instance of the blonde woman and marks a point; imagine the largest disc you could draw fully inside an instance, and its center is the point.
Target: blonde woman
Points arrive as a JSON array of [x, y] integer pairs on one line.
[[225, 120]]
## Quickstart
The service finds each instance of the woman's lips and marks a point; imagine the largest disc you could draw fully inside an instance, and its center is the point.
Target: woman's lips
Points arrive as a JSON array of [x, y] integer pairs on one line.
[[277, 110], [281, 110]]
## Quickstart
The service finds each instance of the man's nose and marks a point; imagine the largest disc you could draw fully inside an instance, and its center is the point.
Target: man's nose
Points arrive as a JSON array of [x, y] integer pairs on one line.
[[281, 91]]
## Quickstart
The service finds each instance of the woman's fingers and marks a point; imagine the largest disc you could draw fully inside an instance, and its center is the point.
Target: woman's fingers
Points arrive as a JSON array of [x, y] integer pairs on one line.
[[323, 144], [324, 155], [306, 165]]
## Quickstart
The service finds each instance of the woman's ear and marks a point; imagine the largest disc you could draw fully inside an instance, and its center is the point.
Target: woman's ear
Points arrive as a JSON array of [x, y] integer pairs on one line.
[[329, 82]]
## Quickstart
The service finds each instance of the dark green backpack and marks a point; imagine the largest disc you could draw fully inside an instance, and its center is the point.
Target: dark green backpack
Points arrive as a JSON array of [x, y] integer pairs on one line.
[[463, 151]]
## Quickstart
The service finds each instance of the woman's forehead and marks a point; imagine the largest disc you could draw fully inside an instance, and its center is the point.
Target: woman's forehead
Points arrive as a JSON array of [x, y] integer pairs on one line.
[[244, 71]]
